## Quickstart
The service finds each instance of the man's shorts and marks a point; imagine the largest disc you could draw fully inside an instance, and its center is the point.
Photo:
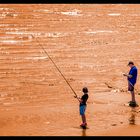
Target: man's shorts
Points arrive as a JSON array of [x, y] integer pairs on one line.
[[130, 87], [82, 109]]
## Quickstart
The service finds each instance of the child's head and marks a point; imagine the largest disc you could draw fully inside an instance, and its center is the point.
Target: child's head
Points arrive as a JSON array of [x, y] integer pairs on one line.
[[85, 90]]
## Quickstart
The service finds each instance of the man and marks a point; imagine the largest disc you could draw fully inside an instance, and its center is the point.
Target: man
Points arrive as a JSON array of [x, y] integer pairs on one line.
[[132, 78]]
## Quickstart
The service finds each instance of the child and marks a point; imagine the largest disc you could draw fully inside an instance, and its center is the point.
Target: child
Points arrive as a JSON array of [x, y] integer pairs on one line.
[[82, 106]]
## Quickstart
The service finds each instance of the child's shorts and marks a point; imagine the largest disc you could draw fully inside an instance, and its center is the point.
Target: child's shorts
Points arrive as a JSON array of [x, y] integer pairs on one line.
[[82, 109]]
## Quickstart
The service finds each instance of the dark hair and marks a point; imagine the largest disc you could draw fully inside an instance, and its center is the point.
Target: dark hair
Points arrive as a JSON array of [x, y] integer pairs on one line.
[[85, 90], [130, 62]]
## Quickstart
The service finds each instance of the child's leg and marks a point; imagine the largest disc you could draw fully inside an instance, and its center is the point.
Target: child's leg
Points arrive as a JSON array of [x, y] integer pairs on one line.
[[82, 113], [84, 118]]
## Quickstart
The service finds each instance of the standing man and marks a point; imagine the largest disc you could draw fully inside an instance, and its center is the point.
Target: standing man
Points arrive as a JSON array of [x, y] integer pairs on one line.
[[132, 78]]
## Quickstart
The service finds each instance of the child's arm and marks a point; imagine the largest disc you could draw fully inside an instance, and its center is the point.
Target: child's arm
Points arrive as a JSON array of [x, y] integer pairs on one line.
[[81, 100], [78, 98]]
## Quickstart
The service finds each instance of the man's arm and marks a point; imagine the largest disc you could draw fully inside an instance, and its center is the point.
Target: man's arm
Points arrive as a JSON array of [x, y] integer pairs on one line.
[[127, 75]]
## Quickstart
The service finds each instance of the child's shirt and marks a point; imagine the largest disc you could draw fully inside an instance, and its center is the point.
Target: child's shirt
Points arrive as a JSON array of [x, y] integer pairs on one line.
[[84, 99]]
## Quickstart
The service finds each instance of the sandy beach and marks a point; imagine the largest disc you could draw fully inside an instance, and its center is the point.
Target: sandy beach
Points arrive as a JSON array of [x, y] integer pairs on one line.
[[91, 45]]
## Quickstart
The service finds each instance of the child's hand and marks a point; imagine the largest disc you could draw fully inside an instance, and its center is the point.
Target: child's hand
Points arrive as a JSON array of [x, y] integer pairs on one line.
[[75, 96]]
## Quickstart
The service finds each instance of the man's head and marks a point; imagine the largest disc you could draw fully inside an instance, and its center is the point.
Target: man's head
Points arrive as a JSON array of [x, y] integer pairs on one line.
[[131, 64], [85, 90]]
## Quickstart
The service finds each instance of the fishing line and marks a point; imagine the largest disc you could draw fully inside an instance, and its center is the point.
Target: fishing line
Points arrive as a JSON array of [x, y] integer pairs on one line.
[[56, 67]]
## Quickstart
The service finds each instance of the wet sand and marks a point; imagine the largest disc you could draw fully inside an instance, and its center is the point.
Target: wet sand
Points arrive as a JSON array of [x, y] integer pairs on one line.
[[125, 131], [91, 44]]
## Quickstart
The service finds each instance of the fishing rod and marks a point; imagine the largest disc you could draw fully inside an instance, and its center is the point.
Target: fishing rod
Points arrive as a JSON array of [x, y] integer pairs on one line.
[[57, 68], [115, 88]]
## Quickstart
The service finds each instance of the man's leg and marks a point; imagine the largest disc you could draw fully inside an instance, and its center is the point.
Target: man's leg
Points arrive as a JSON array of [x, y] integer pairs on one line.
[[133, 96], [131, 89]]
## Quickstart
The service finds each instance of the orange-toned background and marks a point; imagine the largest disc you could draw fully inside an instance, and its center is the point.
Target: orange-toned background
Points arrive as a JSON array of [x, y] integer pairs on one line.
[[91, 44]]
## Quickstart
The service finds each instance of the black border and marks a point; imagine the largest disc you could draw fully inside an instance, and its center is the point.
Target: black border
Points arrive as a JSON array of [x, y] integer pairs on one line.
[[69, 1]]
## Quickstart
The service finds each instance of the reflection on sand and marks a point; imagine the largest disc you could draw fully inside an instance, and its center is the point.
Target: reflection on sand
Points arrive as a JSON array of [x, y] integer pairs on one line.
[[132, 117], [83, 132]]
